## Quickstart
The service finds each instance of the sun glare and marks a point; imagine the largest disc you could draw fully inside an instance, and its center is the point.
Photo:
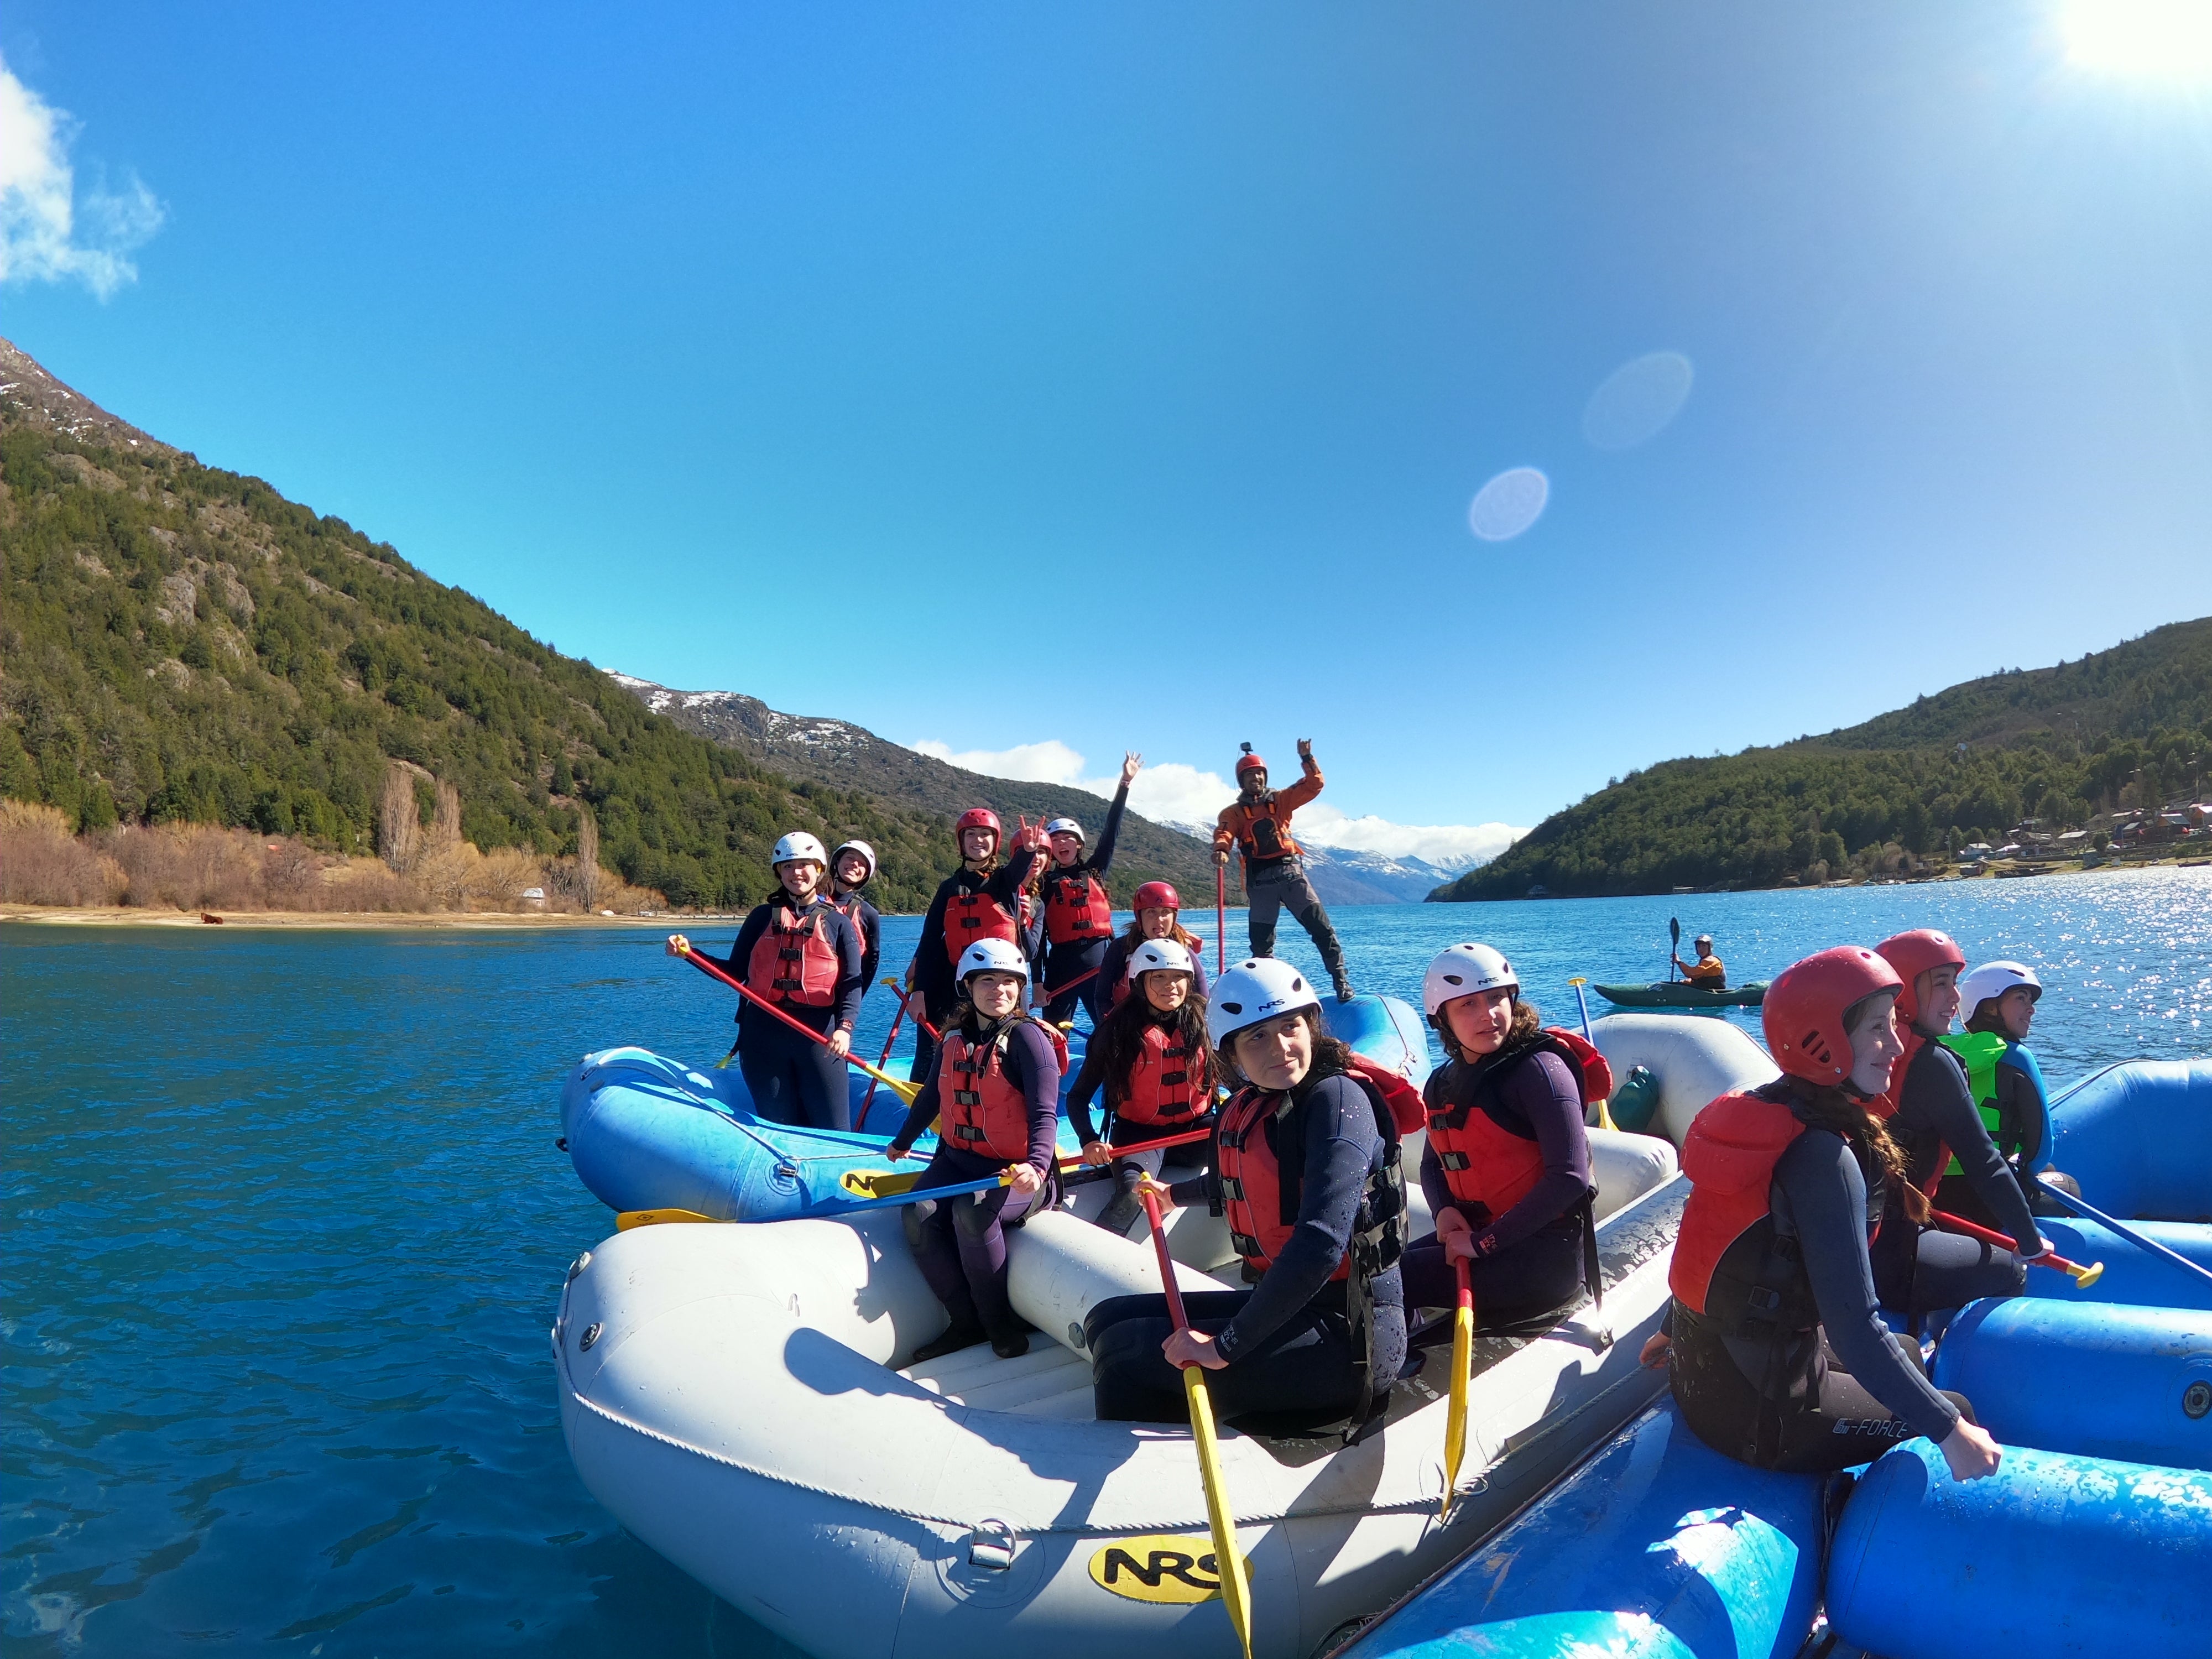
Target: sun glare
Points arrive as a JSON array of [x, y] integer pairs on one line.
[[2162, 40]]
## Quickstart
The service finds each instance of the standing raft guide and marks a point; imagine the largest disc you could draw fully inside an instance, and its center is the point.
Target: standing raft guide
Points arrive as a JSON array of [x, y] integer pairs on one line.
[[973, 1368]]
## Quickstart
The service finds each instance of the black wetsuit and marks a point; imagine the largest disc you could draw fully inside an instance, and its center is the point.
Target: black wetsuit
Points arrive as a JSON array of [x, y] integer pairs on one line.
[[1290, 1340], [1123, 1209], [960, 1243], [1530, 1261], [931, 971], [1919, 1270], [865, 916], [1838, 1396], [1063, 963], [791, 1078]]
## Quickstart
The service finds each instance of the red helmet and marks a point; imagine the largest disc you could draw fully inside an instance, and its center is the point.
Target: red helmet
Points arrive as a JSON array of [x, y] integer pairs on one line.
[[1805, 1009], [1156, 895], [1913, 954], [979, 817], [1248, 762]]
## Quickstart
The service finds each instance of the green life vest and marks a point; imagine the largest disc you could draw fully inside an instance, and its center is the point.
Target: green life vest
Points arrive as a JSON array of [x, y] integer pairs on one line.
[[1980, 1051]]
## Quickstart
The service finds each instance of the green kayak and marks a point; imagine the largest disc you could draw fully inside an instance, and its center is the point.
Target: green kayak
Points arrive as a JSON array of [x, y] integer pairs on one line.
[[1679, 995]]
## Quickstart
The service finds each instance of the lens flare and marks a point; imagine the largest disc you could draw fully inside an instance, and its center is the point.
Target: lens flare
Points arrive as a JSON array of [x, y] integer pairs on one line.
[[1637, 401], [1508, 504], [2150, 39]]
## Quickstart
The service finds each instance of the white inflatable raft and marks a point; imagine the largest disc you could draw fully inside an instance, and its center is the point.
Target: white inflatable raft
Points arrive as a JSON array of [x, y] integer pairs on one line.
[[733, 1394]]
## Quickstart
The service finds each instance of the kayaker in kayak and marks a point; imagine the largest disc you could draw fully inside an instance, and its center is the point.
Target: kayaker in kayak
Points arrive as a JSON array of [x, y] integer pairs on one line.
[[997, 1090], [852, 867], [1778, 1354], [1151, 1057], [1257, 823], [981, 900], [1305, 1169], [1158, 910], [798, 952], [1506, 1168], [1707, 973], [1931, 1116], [1078, 916], [1999, 998]]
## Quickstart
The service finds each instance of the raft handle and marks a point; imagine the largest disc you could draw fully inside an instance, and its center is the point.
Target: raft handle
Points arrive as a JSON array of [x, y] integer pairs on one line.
[[991, 1545], [590, 1335], [579, 1265]]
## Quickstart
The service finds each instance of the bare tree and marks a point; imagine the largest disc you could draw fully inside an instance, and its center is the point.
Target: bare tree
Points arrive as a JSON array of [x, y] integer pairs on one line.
[[446, 821], [398, 827], [588, 856]]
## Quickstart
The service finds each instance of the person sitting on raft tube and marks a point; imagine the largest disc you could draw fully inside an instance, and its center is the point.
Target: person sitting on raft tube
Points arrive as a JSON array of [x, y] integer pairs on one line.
[[1707, 972], [1079, 916], [1151, 1056], [1930, 1115], [1258, 824], [981, 900], [1999, 998], [995, 1098], [1158, 909], [1507, 1167], [852, 867], [1305, 1168], [799, 953], [1779, 1358]]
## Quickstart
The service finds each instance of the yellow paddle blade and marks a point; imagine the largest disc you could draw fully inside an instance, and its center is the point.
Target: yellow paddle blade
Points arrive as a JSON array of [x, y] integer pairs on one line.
[[2085, 1277], [629, 1218], [1228, 1565], [1455, 1412], [898, 1086], [881, 1183], [1605, 1115]]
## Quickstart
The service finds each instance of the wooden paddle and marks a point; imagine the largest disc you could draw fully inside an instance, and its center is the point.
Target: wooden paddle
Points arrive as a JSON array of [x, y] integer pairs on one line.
[[2085, 1277], [905, 1091], [1228, 1564], [1462, 1366]]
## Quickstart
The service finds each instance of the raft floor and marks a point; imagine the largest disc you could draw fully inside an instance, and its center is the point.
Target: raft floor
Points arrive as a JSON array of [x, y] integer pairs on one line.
[[1048, 1380]]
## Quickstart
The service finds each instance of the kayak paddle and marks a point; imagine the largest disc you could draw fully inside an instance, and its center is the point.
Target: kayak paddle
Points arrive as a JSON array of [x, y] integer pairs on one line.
[[1462, 1363], [1228, 1564], [2084, 1277], [905, 1091], [1674, 933], [2082, 1206]]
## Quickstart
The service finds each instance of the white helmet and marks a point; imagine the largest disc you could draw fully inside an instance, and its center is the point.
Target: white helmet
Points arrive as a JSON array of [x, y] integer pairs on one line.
[[1462, 970], [866, 852], [1257, 989], [798, 845], [1165, 955], [1068, 824], [1992, 980], [994, 956]]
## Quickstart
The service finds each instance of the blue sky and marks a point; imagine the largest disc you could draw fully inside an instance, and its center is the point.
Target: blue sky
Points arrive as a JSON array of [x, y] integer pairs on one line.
[[1050, 380]]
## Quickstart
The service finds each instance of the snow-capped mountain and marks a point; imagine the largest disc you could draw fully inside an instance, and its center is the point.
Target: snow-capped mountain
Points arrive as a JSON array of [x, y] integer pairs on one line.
[[1347, 875]]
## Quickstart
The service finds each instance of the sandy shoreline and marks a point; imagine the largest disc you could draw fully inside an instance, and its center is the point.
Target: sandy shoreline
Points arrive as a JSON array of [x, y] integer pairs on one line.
[[121, 916]]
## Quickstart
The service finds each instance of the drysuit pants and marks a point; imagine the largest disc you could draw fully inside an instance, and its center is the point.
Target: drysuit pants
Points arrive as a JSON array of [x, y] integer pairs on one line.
[[1072, 961], [960, 1242], [1271, 889], [1306, 1368], [792, 1080], [1842, 1425]]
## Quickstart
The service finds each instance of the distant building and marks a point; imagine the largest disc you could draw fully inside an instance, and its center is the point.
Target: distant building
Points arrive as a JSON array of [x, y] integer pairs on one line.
[[534, 897]]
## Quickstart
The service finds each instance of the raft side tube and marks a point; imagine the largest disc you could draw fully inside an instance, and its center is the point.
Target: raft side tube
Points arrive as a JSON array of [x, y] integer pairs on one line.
[[2138, 1139], [2139, 1277]]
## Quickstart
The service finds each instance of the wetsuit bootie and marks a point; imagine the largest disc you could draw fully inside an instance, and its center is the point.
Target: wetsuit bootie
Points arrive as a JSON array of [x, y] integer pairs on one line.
[[1012, 1345], [1343, 988], [960, 1334]]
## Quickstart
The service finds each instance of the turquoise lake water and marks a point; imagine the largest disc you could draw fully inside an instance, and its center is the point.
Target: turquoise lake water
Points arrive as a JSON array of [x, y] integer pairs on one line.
[[286, 1227]]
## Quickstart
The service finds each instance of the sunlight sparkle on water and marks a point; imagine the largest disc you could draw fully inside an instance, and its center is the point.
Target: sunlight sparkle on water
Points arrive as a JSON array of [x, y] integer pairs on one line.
[[2155, 40]]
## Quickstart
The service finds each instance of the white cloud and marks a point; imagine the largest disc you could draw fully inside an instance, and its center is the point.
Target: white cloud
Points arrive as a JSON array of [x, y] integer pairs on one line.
[[1172, 793], [43, 238]]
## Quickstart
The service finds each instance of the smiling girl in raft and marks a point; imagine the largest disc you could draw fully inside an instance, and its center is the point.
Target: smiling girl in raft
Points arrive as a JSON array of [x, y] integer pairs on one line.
[[1305, 1169], [799, 953], [1158, 914], [995, 1096], [1151, 1057], [1079, 914], [981, 900], [1780, 1358]]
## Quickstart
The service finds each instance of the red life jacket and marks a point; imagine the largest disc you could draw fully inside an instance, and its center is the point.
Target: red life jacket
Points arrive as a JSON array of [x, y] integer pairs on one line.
[[795, 958], [1484, 1162], [1076, 908], [1730, 1156], [971, 918], [1260, 1197], [980, 1107], [1163, 1086]]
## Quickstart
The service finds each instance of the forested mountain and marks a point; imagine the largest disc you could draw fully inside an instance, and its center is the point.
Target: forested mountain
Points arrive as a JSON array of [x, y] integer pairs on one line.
[[838, 753], [178, 642], [2130, 727]]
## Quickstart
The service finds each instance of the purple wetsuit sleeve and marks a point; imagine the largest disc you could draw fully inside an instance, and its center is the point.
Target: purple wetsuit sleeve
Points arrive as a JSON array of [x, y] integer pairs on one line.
[[919, 1116], [1033, 1068], [851, 986], [1818, 1189], [1543, 1095], [1434, 1187]]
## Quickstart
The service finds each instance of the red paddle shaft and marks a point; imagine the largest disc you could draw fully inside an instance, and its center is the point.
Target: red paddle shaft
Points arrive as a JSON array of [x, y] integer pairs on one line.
[[2057, 1263], [1167, 1262], [753, 996], [869, 1099], [1182, 1139]]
